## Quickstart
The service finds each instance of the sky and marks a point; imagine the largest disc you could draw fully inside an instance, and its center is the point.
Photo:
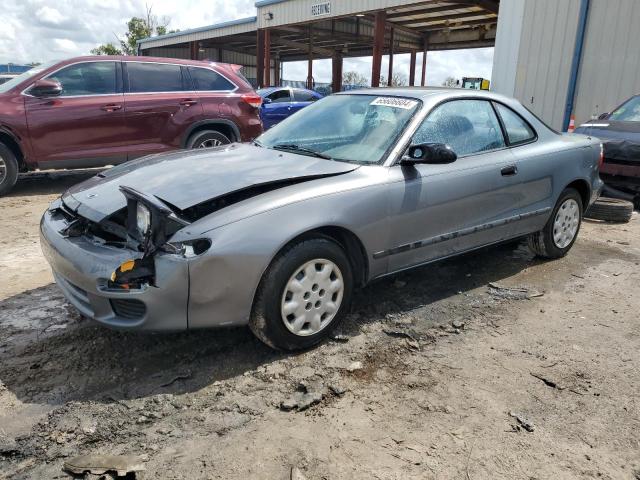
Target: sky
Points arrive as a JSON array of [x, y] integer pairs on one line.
[[42, 31]]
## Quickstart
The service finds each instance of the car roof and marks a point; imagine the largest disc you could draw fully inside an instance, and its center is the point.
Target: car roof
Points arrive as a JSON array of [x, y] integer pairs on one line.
[[420, 93], [134, 58]]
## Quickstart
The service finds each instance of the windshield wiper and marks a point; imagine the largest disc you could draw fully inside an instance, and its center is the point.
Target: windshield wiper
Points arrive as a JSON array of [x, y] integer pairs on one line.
[[297, 148]]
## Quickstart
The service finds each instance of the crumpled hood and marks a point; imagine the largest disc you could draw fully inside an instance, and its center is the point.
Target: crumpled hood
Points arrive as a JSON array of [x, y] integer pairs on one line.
[[188, 178]]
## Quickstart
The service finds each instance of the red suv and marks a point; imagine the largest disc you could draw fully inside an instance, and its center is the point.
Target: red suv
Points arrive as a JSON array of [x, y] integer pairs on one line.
[[97, 111]]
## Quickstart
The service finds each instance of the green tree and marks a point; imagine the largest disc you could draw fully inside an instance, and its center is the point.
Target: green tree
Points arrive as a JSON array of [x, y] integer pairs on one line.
[[397, 80], [137, 29], [106, 49], [451, 82]]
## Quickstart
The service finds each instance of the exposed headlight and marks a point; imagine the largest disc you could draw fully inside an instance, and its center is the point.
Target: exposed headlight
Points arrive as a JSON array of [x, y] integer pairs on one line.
[[143, 218], [189, 248]]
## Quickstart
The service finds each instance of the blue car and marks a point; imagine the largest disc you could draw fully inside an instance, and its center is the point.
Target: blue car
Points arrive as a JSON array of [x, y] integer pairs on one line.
[[280, 102]]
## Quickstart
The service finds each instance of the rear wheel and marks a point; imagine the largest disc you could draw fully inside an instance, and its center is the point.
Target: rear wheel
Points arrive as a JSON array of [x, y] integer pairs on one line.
[[303, 295], [559, 234], [8, 169], [207, 139]]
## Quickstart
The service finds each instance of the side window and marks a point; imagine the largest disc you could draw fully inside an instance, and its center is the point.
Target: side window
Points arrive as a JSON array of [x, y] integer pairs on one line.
[[304, 96], [91, 78], [154, 77], [280, 96], [208, 80], [467, 126], [518, 130]]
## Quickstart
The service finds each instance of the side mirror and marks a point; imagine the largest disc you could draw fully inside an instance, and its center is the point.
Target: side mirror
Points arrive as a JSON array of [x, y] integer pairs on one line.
[[436, 153], [266, 100], [602, 116], [46, 88]]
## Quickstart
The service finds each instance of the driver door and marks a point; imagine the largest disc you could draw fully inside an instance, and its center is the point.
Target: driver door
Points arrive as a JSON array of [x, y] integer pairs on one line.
[[83, 126], [440, 210]]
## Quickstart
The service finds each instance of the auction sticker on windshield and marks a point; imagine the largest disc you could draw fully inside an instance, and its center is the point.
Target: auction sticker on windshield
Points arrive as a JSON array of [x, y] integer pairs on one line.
[[395, 102]]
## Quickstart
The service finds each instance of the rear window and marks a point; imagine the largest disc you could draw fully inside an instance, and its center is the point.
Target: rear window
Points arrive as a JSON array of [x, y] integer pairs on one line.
[[518, 130], [205, 79], [154, 77]]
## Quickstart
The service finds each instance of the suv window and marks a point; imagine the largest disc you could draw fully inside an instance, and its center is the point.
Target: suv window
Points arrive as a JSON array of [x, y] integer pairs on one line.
[[155, 77], [280, 96], [518, 130], [90, 78], [208, 80], [302, 96], [467, 126]]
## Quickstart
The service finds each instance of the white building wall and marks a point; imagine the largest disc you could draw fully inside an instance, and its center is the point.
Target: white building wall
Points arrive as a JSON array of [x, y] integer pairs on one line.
[[505, 55], [610, 68]]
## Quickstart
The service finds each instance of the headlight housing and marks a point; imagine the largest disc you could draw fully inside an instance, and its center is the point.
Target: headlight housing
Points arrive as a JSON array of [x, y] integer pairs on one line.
[[143, 218]]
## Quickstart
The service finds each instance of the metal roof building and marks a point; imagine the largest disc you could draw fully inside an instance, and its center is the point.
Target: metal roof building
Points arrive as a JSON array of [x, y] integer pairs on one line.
[[558, 57], [291, 30], [568, 57]]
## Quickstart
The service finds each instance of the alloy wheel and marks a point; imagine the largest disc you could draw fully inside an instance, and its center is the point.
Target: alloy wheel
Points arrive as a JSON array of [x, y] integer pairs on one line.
[[312, 297], [566, 223], [3, 170], [212, 142]]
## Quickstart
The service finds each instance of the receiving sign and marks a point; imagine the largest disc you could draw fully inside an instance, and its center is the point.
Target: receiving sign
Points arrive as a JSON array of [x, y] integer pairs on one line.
[[321, 9]]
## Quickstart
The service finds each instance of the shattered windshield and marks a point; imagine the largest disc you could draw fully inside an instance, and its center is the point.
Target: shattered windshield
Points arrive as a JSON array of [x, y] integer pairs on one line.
[[351, 128]]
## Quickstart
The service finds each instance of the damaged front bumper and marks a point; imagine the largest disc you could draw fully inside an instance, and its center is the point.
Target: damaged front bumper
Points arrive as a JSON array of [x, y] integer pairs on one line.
[[83, 269]]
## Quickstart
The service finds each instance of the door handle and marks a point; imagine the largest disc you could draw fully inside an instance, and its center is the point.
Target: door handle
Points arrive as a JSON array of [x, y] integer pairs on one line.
[[509, 171], [187, 102], [111, 107]]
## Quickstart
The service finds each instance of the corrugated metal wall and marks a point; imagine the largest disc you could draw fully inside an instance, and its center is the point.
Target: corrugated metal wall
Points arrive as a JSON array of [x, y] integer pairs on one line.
[[505, 54], [610, 69], [544, 58]]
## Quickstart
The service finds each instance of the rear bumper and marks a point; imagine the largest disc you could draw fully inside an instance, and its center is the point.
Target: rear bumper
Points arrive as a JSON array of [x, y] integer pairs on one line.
[[82, 268]]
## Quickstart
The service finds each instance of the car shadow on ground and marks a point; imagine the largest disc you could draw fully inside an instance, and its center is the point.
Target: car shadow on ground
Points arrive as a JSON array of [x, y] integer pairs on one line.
[[50, 182], [82, 361]]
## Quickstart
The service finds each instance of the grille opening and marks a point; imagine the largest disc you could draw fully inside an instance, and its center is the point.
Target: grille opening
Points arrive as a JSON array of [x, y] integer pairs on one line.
[[129, 309]]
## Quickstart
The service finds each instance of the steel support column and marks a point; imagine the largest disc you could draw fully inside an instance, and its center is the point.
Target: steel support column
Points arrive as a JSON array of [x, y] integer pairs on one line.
[[424, 62], [412, 68], [378, 48], [193, 50], [260, 58], [267, 57], [276, 72], [310, 60], [391, 40], [336, 71]]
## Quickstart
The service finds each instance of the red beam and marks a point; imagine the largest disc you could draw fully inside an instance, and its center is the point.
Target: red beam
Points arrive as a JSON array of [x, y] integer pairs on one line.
[[276, 72], [310, 60], [424, 62], [391, 40], [260, 58], [412, 68], [378, 47], [336, 81], [267, 57], [193, 50]]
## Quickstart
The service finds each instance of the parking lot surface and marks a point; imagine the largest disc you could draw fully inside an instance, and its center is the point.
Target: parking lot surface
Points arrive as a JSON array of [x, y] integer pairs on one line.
[[491, 365]]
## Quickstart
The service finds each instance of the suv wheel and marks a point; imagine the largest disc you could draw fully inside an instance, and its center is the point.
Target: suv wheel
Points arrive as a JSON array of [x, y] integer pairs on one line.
[[303, 295], [207, 139], [8, 169]]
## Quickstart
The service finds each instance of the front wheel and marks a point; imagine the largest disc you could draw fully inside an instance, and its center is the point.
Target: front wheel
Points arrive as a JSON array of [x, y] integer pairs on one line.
[[560, 233], [303, 295], [207, 139], [8, 169]]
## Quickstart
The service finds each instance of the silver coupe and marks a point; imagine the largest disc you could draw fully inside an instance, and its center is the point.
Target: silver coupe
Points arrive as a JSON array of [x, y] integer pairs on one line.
[[277, 234]]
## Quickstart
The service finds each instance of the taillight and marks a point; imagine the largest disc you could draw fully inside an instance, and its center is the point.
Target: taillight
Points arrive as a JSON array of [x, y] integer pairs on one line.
[[601, 159], [252, 99]]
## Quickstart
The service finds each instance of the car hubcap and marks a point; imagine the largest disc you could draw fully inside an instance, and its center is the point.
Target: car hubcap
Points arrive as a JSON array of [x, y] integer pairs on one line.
[[566, 223], [312, 297], [214, 142], [3, 170]]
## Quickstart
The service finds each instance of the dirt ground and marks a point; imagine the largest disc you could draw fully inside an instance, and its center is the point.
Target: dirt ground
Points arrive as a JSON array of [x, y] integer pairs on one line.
[[435, 374]]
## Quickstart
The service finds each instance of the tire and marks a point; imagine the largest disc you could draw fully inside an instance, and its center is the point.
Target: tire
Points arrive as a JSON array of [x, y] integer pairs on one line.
[[560, 233], [326, 304], [8, 169], [611, 210], [207, 139]]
